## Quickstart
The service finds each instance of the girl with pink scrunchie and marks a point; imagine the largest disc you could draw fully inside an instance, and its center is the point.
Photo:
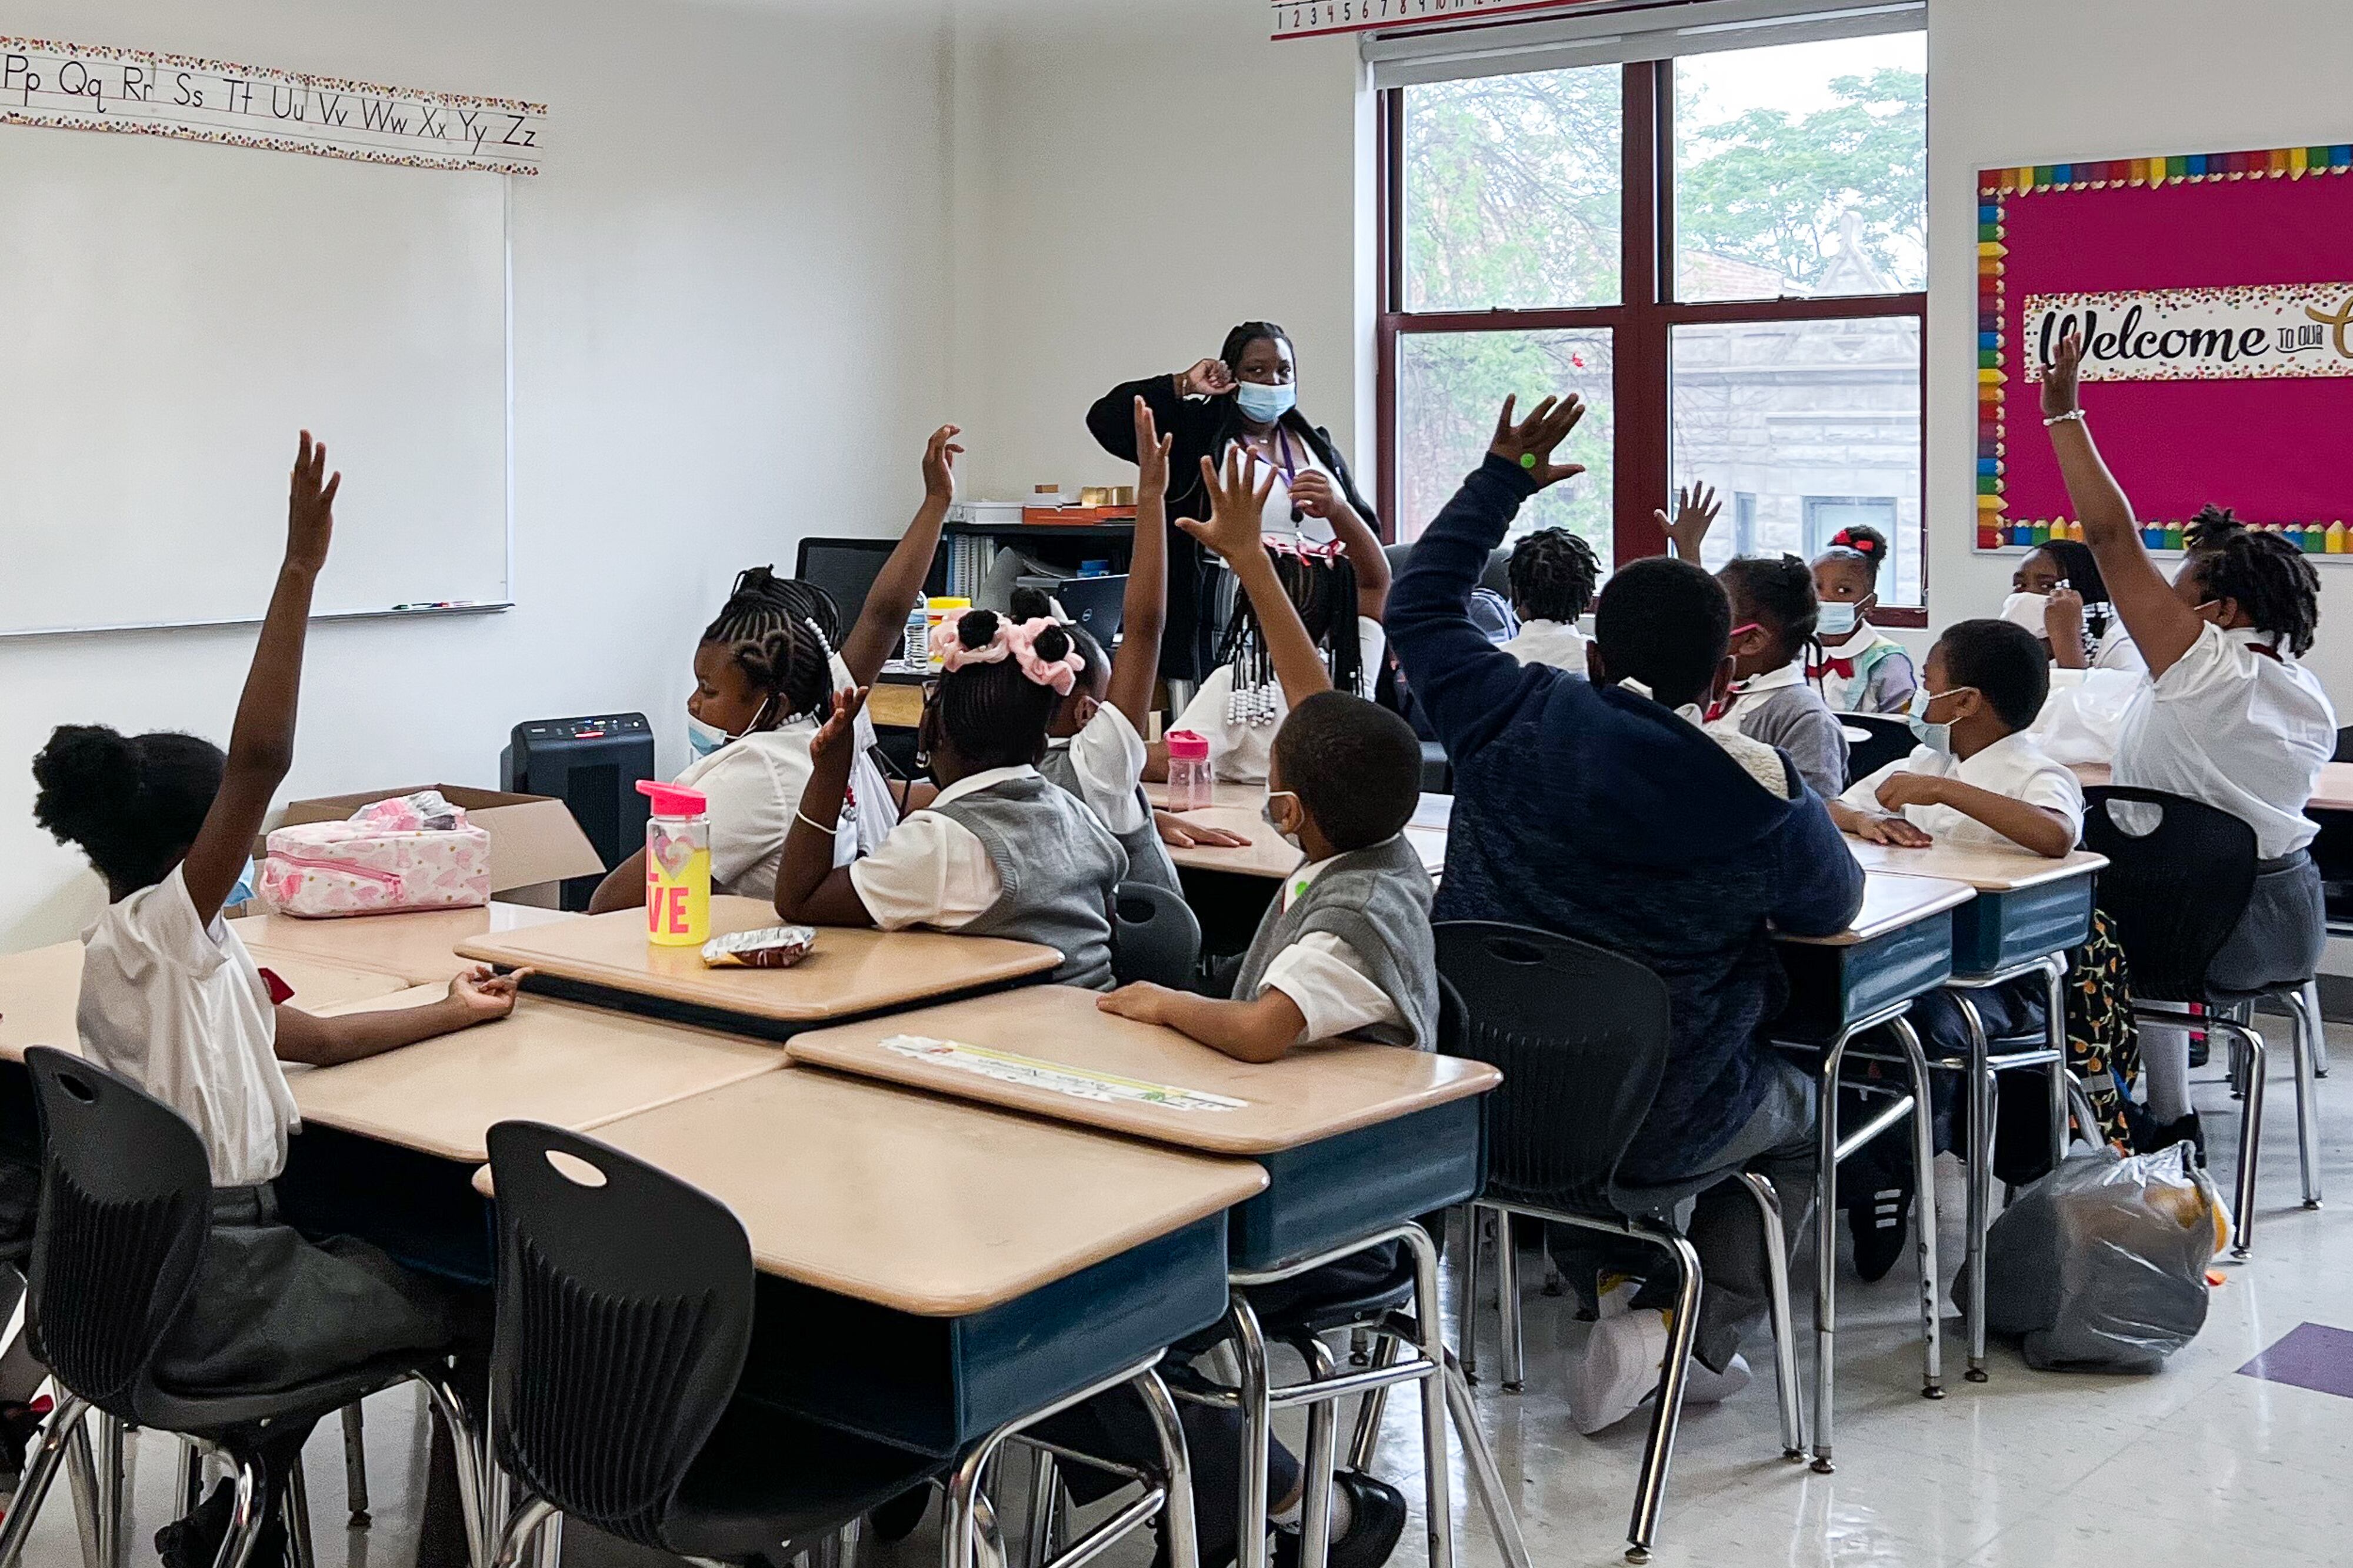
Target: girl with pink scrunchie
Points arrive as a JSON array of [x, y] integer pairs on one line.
[[1000, 851]]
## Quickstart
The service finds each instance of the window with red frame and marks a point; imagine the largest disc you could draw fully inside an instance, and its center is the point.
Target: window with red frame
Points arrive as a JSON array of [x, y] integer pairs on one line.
[[1724, 255]]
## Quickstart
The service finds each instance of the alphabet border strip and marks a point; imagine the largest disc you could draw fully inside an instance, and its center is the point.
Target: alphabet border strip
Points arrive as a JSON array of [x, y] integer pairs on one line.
[[81, 87]]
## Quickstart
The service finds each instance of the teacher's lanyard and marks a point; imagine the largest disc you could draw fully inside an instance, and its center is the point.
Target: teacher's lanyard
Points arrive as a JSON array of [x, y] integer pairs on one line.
[[1286, 463]]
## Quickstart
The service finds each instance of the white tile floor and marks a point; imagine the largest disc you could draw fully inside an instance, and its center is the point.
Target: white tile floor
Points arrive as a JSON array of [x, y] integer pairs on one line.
[[2195, 1464]]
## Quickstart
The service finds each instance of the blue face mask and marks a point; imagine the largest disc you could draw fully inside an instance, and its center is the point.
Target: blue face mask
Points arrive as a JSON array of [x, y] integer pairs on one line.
[[1265, 404], [1838, 618], [704, 739], [1938, 738]]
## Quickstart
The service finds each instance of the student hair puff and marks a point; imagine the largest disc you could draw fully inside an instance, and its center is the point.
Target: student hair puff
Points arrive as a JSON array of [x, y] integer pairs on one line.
[[1323, 589], [1036, 605], [1000, 684], [2274, 585], [1780, 592], [775, 630], [1861, 543], [131, 802], [1554, 574]]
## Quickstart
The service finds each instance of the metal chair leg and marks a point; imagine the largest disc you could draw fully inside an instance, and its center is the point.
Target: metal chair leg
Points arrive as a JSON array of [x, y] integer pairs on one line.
[[251, 1509], [2251, 1135], [355, 1482], [1651, 1494], [112, 1504], [2087, 1115], [1315, 1503], [1484, 1475], [519, 1530], [1474, 1222], [1507, 1290], [1387, 1347], [551, 1543], [295, 1507], [2319, 1030], [1258, 1433], [1428, 1325], [476, 1508], [1045, 1499], [49, 1453], [81, 1470], [1982, 1093], [2307, 1029], [2055, 1074], [1178, 1530], [1785, 1337], [1924, 1211]]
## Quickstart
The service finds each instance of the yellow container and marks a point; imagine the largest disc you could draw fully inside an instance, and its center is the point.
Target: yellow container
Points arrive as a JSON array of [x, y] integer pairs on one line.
[[939, 611], [678, 867]]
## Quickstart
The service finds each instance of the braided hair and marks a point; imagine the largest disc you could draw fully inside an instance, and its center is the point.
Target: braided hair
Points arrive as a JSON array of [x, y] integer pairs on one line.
[[1554, 574], [1861, 544], [1323, 589], [799, 597], [1779, 594], [1241, 337], [993, 714], [2274, 587], [771, 631]]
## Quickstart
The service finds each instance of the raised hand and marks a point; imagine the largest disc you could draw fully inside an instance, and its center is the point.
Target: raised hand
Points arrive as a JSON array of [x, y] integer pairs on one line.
[[1210, 378], [1696, 510], [310, 508], [2061, 390], [1151, 453], [940, 454], [1237, 506], [840, 725], [1530, 442], [2063, 618]]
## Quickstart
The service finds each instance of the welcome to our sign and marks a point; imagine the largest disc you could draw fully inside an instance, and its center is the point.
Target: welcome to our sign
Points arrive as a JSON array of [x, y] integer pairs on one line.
[[2264, 332]]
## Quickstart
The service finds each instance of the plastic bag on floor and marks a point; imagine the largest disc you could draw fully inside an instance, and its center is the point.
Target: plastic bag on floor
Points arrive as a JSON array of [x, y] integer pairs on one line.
[[2100, 1265]]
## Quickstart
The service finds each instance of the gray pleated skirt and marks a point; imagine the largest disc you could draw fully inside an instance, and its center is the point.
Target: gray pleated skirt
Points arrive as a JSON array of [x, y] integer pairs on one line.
[[2279, 940], [272, 1310]]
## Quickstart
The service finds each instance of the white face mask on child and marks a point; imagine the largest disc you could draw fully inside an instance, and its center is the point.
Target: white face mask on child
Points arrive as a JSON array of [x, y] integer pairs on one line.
[[1266, 812]]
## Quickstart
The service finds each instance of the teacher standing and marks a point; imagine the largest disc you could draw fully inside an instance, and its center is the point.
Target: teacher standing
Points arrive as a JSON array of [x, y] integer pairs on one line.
[[1248, 395]]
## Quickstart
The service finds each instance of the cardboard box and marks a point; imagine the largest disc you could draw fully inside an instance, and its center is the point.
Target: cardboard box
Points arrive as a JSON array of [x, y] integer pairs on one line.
[[534, 842]]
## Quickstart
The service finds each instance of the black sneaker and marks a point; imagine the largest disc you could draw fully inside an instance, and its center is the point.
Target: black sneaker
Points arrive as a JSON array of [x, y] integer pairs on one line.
[[2184, 1131], [1879, 1228]]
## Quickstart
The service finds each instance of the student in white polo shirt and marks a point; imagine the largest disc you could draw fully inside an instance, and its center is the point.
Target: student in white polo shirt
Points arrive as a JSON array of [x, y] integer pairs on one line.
[[2230, 716]]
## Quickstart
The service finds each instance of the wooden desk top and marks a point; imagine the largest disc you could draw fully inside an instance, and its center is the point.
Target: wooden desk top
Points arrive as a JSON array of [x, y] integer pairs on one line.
[[1889, 904], [850, 972], [1238, 796], [38, 990], [1315, 1093], [559, 1062], [1989, 871], [920, 1203], [1237, 811], [2335, 792], [419, 947]]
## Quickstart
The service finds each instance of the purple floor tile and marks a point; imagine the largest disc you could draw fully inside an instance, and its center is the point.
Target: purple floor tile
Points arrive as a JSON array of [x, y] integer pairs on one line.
[[2312, 1355]]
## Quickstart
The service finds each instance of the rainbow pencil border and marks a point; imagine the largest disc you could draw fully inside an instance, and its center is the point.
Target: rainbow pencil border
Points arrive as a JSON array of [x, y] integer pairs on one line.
[[1996, 530]]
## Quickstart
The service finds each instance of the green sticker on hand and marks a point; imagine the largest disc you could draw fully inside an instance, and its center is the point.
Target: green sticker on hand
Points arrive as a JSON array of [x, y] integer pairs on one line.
[[1528, 459]]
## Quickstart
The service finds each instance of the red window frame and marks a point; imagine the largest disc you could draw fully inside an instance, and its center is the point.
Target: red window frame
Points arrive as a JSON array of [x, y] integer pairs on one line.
[[1642, 324]]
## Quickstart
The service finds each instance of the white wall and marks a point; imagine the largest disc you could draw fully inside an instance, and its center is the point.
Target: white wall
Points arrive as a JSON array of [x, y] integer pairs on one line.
[[1132, 180], [2025, 81], [732, 316]]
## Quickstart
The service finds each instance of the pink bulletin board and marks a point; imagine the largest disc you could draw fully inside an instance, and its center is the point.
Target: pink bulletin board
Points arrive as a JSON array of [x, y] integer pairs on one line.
[[2221, 288]]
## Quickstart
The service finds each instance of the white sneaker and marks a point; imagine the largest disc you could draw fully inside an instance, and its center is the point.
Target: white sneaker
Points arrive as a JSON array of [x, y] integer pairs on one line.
[[1702, 1386], [1619, 1370]]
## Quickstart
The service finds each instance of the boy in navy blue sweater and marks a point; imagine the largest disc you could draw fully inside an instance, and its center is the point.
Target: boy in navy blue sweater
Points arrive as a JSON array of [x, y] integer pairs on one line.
[[1599, 810]]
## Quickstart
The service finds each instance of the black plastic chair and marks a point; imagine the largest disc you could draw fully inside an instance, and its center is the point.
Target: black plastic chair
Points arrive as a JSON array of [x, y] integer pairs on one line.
[[625, 1308], [126, 1206], [1155, 936], [2175, 892], [1885, 738], [1582, 1036]]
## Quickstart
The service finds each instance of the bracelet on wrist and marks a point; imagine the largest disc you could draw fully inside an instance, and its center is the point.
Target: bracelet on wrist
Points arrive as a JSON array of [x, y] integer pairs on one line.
[[828, 829], [2073, 415]]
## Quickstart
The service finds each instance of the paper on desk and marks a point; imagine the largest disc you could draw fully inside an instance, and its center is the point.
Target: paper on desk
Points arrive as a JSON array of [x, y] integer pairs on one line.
[[1055, 1078]]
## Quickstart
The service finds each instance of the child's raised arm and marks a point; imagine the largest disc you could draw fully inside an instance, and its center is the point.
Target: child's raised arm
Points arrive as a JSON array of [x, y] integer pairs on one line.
[[1144, 611], [883, 617], [1318, 497], [810, 889], [1237, 505], [262, 745]]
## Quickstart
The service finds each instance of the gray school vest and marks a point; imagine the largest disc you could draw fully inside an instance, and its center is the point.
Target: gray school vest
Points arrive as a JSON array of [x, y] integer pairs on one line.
[[1057, 863], [1377, 901], [1147, 858]]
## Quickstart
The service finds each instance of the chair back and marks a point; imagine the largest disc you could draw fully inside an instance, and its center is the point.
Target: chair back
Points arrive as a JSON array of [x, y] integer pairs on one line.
[[624, 1301], [2344, 745], [1886, 738], [1155, 936], [126, 1203], [1582, 1034], [2175, 891]]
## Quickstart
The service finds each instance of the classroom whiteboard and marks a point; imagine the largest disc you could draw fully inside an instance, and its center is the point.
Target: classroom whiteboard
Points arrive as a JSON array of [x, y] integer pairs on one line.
[[173, 313]]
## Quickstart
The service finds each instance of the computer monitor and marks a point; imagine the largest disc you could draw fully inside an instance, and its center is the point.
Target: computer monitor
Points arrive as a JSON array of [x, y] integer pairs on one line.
[[845, 569]]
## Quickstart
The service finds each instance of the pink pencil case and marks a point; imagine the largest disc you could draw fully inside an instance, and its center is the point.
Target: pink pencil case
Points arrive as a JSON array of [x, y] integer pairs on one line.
[[369, 865]]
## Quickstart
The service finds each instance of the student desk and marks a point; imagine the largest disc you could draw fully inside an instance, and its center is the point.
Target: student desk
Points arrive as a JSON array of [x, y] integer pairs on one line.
[[1898, 948], [931, 1270], [40, 989], [413, 1122], [2334, 793], [1358, 1142], [419, 946], [2029, 911], [607, 960], [1236, 809]]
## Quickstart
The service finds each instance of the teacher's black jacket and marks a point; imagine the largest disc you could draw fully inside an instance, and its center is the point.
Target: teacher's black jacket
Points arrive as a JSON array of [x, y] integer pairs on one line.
[[1202, 427]]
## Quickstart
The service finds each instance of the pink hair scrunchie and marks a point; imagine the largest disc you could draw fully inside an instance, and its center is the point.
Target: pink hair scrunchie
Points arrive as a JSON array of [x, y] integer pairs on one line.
[[947, 647], [1060, 674]]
